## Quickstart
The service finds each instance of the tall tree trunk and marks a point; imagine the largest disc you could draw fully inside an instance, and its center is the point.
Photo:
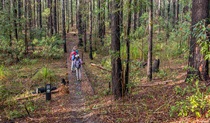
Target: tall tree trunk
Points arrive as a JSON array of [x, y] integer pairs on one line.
[[91, 31], [174, 13], [115, 44], [100, 26], [19, 12], [30, 18], [168, 22], [198, 65], [159, 14], [149, 62], [77, 21], [121, 16], [135, 16], [140, 13], [64, 26], [68, 15], [9, 18], [72, 20], [94, 7], [58, 15], [26, 27], [103, 21], [40, 13], [1, 5], [55, 17], [15, 18], [127, 69], [85, 25], [80, 28], [50, 24], [34, 16], [177, 11]]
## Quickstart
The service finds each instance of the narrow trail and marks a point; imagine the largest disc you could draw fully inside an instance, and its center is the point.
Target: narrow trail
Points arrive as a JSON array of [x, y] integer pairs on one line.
[[77, 95]]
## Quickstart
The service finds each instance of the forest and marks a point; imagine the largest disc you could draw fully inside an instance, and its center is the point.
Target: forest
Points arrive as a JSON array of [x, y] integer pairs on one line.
[[141, 61]]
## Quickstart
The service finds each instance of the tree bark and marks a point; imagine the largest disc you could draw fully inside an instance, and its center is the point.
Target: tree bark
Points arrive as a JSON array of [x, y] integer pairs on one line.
[[40, 13], [85, 35], [50, 23], [198, 65], [127, 69], [168, 22], [30, 18], [15, 19], [177, 11], [55, 17], [135, 16], [64, 26], [19, 12], [67, 15], [149, 62], [26, 27], [72, 21], [91, 28], [115, 44], [80, 28]]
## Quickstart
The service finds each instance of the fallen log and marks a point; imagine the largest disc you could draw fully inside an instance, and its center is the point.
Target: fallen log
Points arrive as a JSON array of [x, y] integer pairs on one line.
[[100, 67]]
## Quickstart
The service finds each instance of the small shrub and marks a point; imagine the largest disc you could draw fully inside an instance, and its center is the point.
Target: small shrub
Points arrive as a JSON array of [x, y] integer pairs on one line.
[[195, 104], [45, 75], [49, 47]]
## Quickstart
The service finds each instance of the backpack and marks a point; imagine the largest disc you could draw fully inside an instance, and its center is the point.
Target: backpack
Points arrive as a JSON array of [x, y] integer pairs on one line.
[[78, 63], [72, 55]]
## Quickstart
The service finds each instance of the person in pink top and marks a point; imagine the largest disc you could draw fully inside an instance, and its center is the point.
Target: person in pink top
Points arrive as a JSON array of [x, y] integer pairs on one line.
[[72, 58]]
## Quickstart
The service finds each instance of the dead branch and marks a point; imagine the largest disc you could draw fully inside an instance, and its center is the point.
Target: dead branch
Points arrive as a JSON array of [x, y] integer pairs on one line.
[[100, 67], [169, 82]]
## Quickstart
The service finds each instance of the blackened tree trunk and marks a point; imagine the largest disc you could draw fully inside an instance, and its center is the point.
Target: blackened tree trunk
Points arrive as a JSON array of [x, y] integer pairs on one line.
[[40, 13], [77, 10], [177, 11], [135, 16], [67, 15], [64, 26], [100, 27], [80, 28], [103, 21], [26, 27], [19, 12], [140, 13], [198, 65], [127, 69], [30, 18], [121, 16], [115, 44], [15, 19], [174, 13], [168, 22], [58, 15], [55, 17], [85, 36], [50, 23], [149, 62], [72, 20], [1, 5], [34, 16], [91, 31]]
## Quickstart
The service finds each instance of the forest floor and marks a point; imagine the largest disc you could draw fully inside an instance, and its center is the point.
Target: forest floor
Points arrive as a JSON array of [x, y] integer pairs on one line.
[[90, 100]]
